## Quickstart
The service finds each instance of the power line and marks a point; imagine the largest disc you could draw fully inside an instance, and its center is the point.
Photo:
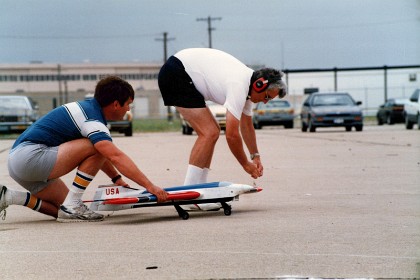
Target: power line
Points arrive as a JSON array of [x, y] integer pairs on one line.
[[75, 37]]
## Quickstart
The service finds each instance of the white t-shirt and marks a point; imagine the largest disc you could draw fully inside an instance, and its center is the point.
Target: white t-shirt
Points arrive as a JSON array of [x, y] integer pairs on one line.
[[219, 77]]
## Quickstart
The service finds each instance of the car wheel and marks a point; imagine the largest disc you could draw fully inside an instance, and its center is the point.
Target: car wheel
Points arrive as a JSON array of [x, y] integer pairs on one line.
[[188, 130], [380, 121], [312, 128], [289, 125], [418, 121], [184, 130], [408, 124], [304, 127], [129, 130], [348, 128], [257, 125], [359, 127], [390, 119]]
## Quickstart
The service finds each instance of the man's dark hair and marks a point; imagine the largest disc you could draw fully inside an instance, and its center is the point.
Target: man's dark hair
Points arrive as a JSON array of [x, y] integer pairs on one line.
[[113, 88]]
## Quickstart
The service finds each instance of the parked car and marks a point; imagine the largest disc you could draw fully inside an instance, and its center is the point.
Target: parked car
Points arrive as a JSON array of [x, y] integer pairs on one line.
[[331, 110], [392, 111], [219, 113], [17, 113], [412, 110], [124, 126], [274, 112]]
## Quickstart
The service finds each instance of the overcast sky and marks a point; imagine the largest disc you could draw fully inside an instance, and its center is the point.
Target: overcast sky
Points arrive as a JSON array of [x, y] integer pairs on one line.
[[277, 33]]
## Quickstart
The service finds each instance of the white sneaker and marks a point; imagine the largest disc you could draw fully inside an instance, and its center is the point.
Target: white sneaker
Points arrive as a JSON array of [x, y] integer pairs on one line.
[[3, 202], [77, 213]]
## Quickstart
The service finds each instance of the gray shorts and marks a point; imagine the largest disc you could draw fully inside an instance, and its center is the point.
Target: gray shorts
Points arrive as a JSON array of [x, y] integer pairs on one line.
[[30, 165]]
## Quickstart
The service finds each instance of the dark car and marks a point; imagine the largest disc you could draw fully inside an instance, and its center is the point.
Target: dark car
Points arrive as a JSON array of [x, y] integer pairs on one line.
[[274, 112], [392, 111], [124, 126], [331, 110], [17, 113]]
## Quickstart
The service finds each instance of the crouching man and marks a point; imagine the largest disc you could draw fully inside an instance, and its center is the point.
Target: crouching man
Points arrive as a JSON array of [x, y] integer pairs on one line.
[[72, 136]]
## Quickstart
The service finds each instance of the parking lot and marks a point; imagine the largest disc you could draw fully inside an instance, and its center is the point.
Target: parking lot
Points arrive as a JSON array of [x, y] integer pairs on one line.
[[335, 204]]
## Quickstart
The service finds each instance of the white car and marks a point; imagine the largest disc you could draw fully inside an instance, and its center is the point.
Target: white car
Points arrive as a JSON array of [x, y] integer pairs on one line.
[[219, 113], [412, 110], [17, 113]]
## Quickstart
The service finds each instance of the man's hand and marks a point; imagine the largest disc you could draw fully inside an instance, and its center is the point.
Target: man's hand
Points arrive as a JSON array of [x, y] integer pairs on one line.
[[260, 167], [161, 195], [253, 170]]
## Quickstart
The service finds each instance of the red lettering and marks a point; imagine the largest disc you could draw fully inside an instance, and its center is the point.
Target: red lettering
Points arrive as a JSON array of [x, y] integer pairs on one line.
[[112, 191]]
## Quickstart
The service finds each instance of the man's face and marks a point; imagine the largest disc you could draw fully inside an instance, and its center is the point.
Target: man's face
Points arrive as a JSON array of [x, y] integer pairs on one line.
[[264, 96], [121, 110]]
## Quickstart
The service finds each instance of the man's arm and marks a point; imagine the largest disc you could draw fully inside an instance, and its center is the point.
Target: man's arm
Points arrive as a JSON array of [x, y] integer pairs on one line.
[[127, 167], [234, 141], [250, 139], [248, 133], [110, 170]]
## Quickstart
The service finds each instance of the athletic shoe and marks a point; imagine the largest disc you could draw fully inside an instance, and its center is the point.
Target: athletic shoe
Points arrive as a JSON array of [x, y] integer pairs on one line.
[[3, 203], [78, 213]]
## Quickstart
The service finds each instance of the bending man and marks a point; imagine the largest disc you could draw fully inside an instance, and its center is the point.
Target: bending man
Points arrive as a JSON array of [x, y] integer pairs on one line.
[[191, 77]]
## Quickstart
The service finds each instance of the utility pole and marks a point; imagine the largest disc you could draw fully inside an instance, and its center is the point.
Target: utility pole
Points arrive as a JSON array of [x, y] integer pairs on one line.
[[165, 58], [165, 43], [60, 87], [209, 19]]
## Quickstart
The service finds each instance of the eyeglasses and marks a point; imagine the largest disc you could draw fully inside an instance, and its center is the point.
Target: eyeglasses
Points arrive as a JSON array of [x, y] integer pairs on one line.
[[282, 93], [267, 97]]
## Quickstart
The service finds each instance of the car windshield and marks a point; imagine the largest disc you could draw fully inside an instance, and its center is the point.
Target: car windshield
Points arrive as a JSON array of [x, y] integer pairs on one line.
[[400, 101], [332, 100], [274, 104], [13, 102]]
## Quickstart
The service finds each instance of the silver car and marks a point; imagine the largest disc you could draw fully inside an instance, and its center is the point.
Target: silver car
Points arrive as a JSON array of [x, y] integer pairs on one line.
[[17, 113], [274, 112], [331, 110]]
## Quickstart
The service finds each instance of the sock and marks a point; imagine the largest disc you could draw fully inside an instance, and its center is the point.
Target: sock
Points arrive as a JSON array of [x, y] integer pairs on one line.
[[193, 175], [23, 198], [204, 176], [76, 190]]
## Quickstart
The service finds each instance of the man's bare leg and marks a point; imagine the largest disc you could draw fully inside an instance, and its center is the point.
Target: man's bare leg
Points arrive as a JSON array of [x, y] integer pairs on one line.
[[81, 154], [208, 131]]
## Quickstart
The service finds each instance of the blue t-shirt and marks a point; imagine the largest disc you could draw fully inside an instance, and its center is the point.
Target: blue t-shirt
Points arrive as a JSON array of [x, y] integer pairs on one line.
[[82, 119]]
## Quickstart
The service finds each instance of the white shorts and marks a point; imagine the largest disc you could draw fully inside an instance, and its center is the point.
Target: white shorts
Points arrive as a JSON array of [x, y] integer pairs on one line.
[[30, 165]]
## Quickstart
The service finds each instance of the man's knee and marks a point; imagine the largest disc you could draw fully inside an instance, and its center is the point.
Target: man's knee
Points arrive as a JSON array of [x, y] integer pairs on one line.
[[212, 133]]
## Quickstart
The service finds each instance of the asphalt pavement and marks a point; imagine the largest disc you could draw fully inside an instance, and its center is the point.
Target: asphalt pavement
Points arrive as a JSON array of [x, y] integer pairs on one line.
[[335, 204]]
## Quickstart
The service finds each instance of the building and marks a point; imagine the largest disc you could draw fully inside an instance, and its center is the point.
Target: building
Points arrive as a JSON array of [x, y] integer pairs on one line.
[[51, 85]]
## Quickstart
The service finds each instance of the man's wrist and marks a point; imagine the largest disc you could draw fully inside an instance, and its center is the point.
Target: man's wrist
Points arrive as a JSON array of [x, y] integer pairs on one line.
[[254, 155], [116, 178]]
